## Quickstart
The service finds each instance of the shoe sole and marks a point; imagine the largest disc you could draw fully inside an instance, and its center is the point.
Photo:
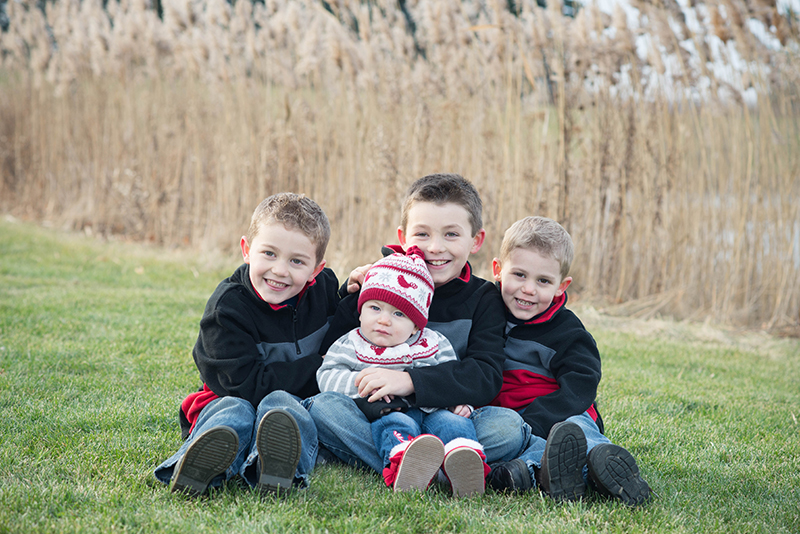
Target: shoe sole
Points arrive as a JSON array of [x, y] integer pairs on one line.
[[279, 445], [563, 461], [613, 469], [464, 468], [209, 455], [421, 460]]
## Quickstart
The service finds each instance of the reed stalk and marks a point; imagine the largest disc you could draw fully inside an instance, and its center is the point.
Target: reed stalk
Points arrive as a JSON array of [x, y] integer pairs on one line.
[[678, 188]]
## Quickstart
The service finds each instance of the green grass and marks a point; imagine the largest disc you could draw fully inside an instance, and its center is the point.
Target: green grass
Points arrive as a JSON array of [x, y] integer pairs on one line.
[[95, 356]]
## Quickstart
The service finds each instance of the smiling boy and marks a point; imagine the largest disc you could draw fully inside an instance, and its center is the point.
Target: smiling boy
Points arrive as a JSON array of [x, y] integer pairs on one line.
[[282, 261], [551, 374], [529, 282], [442, 217], [257, 354]]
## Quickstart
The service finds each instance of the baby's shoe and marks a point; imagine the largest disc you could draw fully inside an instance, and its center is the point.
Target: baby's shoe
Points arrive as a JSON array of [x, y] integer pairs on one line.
[[414, 463], [614, 473], [561, 474], [279, 445], [513, 476], [208, 456], [465, 467]]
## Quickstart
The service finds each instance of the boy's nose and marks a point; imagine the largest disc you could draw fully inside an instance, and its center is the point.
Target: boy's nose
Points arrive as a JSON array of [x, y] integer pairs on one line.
[[528, 288], [435, 245], [280, 267]]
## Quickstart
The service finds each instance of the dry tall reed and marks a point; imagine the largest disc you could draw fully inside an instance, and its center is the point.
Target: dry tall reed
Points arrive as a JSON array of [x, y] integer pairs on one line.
[[670, 151]]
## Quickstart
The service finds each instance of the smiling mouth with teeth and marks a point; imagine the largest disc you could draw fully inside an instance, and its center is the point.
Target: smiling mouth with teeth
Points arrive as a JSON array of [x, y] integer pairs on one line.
[[524, 302], [437, 263], [276, 285]]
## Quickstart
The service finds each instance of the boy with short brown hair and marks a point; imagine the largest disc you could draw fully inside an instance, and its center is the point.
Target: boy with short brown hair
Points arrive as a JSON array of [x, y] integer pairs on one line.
[[258, 354], [551, 374], [442, 216]]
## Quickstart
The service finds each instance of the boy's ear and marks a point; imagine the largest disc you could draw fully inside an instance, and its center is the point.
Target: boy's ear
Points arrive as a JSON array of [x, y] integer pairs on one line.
[[317, 270], [401, 237], [245, 249], [497, 269], [477, 241], [563, 286]]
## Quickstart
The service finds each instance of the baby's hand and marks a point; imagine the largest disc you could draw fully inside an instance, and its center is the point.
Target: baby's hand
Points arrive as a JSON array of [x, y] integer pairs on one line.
[[356, 278], [464, 410]]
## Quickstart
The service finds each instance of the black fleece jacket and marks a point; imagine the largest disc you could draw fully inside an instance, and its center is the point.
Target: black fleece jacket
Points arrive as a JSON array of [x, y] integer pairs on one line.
[[248, 348], [552, 368]]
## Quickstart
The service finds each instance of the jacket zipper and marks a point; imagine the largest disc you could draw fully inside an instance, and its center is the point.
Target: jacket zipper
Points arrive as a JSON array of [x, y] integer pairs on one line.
[[294, 331]]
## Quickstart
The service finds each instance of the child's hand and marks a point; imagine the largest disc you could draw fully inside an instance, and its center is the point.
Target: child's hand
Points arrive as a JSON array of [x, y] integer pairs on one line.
[[356, 278], [378, 383], [464, 410], [385, 398]]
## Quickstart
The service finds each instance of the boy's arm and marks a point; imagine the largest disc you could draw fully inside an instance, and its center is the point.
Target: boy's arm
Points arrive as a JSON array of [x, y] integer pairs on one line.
[[233, 358], [577, 370], [231, 364], [476, 378], [447, 353]]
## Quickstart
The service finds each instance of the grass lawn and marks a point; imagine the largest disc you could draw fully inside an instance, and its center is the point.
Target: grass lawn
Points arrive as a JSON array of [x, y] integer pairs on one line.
[[95, 356]]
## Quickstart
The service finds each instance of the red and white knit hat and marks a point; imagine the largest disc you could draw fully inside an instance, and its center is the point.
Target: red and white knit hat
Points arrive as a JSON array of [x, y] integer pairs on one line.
[[402, 280]]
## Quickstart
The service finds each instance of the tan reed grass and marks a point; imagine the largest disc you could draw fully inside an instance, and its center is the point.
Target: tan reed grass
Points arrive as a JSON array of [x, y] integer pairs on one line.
[[171, 131]]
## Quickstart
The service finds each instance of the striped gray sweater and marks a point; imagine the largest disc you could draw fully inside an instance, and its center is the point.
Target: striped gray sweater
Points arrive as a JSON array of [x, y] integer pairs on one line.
[[352, 353]]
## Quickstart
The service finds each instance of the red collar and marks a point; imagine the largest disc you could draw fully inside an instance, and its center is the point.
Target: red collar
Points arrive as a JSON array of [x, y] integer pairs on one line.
[[466, 273], [557, 304]]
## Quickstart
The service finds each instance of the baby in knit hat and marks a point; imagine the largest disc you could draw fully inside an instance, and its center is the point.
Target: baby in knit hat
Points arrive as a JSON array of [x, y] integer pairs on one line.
[[413, 441]]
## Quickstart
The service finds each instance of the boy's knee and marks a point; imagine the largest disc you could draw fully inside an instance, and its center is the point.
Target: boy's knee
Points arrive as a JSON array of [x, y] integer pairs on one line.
[[279, 398], [501, 431], [233, 403], [490, 417]]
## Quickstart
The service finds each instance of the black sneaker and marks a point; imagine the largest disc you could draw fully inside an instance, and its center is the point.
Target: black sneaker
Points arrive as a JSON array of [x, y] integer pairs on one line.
[[279, 446], [208, 456], [512, 476], [614, 473], [561, 475]]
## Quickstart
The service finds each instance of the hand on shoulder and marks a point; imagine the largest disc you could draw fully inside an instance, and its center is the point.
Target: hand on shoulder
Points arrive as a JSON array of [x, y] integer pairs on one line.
[[356, 278]]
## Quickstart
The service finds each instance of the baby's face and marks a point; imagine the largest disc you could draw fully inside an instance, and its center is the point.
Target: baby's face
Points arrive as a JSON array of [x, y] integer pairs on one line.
[[384, 325]]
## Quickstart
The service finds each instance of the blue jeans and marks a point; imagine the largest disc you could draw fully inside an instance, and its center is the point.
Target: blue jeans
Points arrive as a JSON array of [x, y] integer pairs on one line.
[[396, 427], [501, 431], [534, 450], [344, 430], [240, 415]]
